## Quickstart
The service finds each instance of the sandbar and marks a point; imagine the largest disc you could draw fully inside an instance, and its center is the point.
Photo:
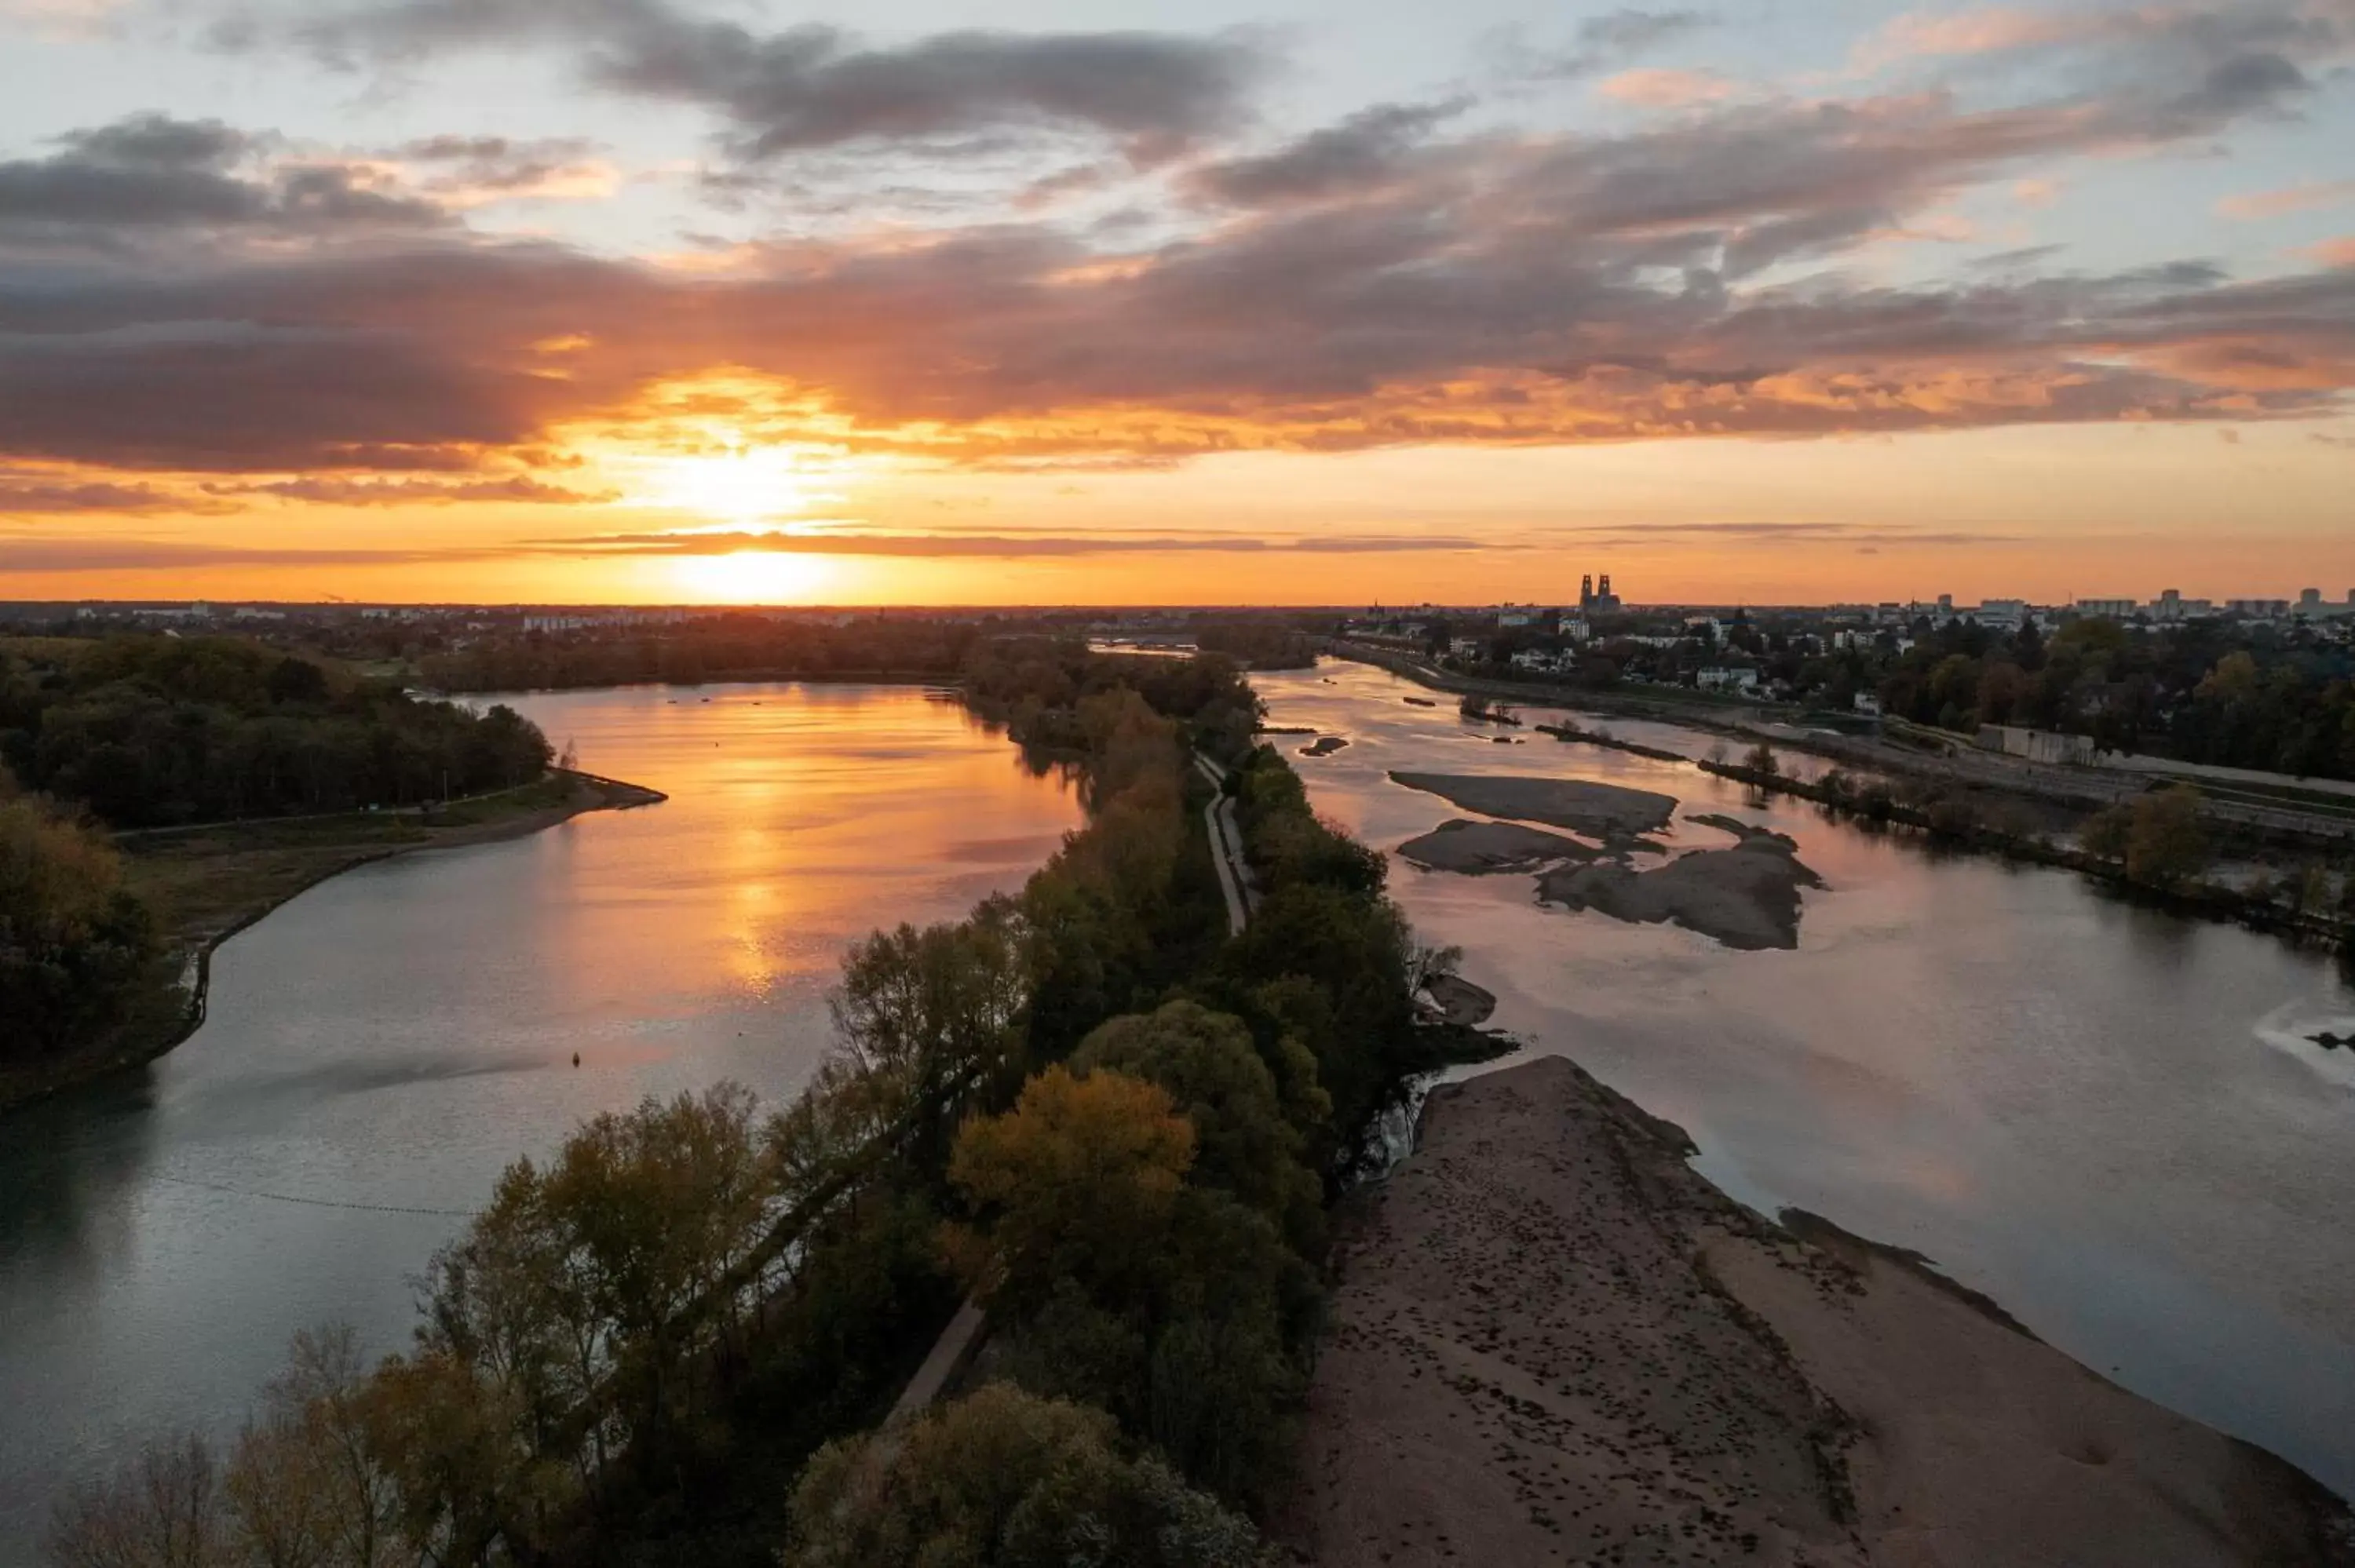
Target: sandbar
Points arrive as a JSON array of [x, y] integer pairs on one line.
[[1598, 811], [1482, 849], [1746, 897], [1554, 1342]]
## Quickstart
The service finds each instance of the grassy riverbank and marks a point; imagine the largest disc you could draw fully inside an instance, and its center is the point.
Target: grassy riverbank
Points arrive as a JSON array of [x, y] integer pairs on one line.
[[206, 883]]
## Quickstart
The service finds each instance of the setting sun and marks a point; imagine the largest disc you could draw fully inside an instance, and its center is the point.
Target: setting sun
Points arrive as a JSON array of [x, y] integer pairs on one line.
[[742, 484], [752, 576]]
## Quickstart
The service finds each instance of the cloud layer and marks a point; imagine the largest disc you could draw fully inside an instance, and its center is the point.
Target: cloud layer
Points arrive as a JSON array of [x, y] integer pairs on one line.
[[187, 298]]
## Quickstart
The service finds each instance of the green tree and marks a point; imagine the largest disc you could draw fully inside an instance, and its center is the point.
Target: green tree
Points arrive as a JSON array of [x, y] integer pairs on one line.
[[2166, 845], [1005, 1479], [1077, 1181], [73, 939], [1215, 1075]]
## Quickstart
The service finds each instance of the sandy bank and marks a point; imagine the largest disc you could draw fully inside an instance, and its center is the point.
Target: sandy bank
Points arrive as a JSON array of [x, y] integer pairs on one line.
[[1598, 811], [1482, 849], [1746, 897], [1553, 1343]]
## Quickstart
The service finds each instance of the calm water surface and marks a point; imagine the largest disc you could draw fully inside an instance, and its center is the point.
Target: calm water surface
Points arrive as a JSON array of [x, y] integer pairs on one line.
[[381, 1047], [2104, 1116]]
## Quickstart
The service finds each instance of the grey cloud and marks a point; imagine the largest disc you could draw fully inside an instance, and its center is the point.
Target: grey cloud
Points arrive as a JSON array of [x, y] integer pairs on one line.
[[1366, 149], [54, 498], [158, 141], [1598, 44], [328, 490], [813, 86], [149, 176], [21, 554]]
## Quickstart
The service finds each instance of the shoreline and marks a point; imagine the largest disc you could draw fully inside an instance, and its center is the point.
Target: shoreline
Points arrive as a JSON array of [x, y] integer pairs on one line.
[[1552, 1340], [174, 1010], [2196, 900]]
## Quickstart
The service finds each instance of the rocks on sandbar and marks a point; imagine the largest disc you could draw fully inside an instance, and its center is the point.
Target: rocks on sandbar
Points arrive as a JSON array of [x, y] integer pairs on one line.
[[1481, 849], [1746, 897], [1598, 811], [1323, 746]]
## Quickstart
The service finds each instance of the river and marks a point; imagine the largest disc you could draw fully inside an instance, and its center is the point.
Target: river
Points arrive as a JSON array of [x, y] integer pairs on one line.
[[2107, 1118], [381, 1047]]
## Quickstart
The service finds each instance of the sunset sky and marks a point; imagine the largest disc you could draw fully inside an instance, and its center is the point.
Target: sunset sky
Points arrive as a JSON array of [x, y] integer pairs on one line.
[[1243, 300]]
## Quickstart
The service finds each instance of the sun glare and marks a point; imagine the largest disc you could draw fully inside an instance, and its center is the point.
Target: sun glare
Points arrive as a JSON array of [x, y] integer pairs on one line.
[[741, 485], [752, 576]]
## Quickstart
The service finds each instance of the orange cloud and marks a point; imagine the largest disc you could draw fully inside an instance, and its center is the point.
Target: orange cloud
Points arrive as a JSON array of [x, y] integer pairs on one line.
[[2311, 196], [1659, 88], [1922, 34]]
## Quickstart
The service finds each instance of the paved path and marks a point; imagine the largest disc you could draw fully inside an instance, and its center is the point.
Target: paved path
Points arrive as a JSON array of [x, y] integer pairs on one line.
[[1227, 847]]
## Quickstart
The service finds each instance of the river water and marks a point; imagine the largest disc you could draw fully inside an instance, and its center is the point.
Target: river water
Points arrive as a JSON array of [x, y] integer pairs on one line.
[[381, 1047], [2108, 1118]]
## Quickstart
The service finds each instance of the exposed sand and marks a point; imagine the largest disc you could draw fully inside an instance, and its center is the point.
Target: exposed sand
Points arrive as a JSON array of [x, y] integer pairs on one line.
[[1598, 811], [1482, 849], [1553, 1343], [1746, 897]]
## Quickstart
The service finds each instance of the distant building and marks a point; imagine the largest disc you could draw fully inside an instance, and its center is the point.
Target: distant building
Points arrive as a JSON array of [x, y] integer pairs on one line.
[[1728, 678], [2010, 613], [2109, 609], [2257, 608], [2037, 745], [1867, 704], [2171, 609]]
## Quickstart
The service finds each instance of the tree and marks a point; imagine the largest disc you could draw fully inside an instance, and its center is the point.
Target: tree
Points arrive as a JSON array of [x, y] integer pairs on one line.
[[1006, 1480], [1215, 1077], [1078, 1182], [934, 1013], [2106, 835], [164, 1509], [2166, 845], [305, 1482], [72, 939], [1760, 760]]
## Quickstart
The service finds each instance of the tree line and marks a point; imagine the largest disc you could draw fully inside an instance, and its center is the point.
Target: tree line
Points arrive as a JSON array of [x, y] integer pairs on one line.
[[153, 731], [149, 731], [706, 647], [1084, 1107]]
